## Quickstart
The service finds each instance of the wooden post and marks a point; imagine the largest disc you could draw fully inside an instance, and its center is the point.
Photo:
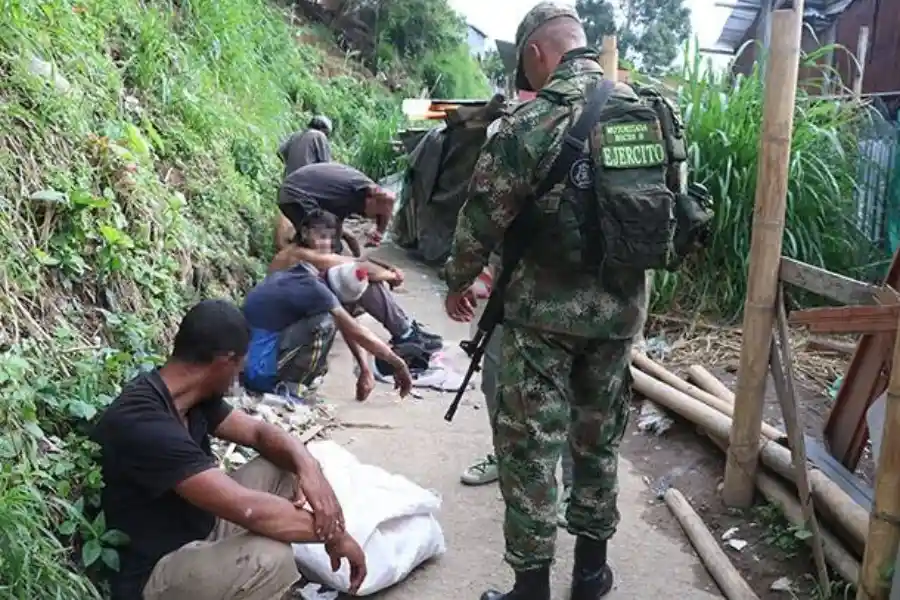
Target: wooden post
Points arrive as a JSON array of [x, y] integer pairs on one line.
[[714, 558], [609, 57], [862, 50], [782, 366], [884, 522], [829, 41], [764, 33], [765, 255]]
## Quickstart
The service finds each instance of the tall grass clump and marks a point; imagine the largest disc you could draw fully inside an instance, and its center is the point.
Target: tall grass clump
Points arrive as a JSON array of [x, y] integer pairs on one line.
[[429, 38], [137, 175], [723, 116]]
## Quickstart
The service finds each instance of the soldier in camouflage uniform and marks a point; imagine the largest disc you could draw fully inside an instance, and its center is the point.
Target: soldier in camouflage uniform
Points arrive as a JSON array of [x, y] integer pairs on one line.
[[567, 335]]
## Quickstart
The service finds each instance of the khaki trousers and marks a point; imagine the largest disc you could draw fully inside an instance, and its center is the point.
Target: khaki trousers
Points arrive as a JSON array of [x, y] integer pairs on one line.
[[232, 564]]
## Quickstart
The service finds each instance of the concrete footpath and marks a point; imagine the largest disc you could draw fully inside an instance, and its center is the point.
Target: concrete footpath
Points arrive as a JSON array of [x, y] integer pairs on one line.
[[411, 438]]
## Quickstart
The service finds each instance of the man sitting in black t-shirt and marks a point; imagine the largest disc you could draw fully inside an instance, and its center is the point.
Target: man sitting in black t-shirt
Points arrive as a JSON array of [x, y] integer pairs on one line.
[[197, 533]]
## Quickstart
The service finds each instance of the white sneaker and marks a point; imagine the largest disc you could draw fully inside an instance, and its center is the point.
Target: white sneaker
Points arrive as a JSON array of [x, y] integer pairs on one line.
[[482, 472]]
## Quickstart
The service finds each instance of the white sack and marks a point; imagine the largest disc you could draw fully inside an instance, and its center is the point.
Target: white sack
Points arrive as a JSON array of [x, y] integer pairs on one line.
[[393, 519]]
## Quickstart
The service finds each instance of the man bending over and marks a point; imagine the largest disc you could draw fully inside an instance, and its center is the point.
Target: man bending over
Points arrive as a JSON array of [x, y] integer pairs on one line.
[[293, 318], [313, 246], [341, 190], [195, 532]]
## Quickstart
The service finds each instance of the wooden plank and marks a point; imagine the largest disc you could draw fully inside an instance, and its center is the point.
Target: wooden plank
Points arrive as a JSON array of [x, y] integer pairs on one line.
[[845, 431], [310, 433], [826, 345], [782, 369], [848, 319], [825, 283], [884, 523]]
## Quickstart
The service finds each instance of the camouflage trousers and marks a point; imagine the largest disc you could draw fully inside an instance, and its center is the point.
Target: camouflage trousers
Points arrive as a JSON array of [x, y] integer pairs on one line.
[[556, 390]]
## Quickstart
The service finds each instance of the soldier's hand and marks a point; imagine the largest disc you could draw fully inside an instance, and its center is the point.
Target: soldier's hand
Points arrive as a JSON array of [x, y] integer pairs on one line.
[[460, 306]]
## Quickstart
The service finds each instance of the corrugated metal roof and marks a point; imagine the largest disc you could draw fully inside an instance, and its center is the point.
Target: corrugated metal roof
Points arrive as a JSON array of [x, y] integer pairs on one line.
[[819, 13]]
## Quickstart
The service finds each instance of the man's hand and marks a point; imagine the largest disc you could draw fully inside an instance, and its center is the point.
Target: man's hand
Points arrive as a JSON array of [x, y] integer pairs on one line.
[[343, 547], [312, 487], [397, 278], [460, 306], [365, 383], [402, 378]]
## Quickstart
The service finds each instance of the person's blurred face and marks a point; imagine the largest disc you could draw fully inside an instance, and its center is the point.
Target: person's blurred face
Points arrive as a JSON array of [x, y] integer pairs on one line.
[[380, 206], [222, 373], [319, 238]]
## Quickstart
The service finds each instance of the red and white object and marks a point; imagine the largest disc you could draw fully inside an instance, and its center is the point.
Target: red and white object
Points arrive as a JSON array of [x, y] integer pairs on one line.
[[348, 282], [483, 285]]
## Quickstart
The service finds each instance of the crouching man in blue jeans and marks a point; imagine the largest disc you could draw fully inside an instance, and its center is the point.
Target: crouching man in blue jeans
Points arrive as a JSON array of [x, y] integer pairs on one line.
[[294, 315]]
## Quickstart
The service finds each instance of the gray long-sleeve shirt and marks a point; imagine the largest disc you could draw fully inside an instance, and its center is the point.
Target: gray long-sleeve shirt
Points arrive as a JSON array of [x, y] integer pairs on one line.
[[306, 148]]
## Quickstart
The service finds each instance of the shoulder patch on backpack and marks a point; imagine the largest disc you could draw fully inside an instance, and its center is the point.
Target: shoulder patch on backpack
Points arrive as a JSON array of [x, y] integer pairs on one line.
[[632, 145]]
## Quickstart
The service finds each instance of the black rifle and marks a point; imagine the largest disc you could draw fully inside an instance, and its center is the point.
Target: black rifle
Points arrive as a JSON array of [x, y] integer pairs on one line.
[[517, 237]]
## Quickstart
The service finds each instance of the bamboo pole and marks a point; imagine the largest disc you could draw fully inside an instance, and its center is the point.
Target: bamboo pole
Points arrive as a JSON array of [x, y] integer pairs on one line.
[[765, 254], [862, 51], [651, 367], [884, 523], [609, 57], [830, 498], [727, 577], [782, 366], [776, 493], [835, 553], [709, 382]]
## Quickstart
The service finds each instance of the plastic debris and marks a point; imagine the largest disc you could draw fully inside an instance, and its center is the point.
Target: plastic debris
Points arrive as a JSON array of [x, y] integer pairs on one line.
[[782, 584], [653, 420]]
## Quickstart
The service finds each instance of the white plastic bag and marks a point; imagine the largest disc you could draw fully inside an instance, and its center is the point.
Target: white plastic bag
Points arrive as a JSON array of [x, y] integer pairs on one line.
[[393, 519]]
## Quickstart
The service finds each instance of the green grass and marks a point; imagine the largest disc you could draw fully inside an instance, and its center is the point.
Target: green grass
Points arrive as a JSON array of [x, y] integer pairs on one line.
[[144, 183], [723, 117]]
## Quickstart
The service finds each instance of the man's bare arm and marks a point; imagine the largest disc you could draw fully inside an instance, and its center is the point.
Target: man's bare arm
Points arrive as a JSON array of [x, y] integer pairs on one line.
[[324, 261], [362, 336], [273, 443], [357, 351], [258, 512], [289, 454]]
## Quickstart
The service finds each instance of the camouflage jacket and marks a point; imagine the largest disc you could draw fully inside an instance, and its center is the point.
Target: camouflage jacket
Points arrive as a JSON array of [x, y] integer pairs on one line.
[[512, 164]]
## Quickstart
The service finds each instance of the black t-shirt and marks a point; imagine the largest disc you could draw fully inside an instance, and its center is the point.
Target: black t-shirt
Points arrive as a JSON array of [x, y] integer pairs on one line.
[[333, 187], [146, 452]]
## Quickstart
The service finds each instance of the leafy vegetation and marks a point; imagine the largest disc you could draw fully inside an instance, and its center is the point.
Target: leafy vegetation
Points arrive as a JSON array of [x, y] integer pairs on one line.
[[723, 116], [137, 174], [650, 32], [429, 38]]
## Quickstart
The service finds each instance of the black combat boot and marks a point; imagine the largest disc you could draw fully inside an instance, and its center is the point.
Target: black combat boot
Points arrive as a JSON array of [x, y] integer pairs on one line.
[[530, 585], [592, 578]]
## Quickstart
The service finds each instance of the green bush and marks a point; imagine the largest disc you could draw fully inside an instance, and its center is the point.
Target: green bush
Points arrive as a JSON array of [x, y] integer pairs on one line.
[[455, 74], [137, 175], [723, 117], [429, 38]]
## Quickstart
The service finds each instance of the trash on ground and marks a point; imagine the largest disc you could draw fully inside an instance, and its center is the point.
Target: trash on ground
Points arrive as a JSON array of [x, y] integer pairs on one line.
[[736, 544], [653, 420], [782, 584]]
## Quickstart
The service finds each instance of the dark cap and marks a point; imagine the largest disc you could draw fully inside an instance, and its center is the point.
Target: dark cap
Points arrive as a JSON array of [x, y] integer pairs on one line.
[[322, 123], [542, 13]]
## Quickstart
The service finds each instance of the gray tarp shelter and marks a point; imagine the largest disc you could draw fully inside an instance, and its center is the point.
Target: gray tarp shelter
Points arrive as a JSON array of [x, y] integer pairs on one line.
[[441, 161]]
